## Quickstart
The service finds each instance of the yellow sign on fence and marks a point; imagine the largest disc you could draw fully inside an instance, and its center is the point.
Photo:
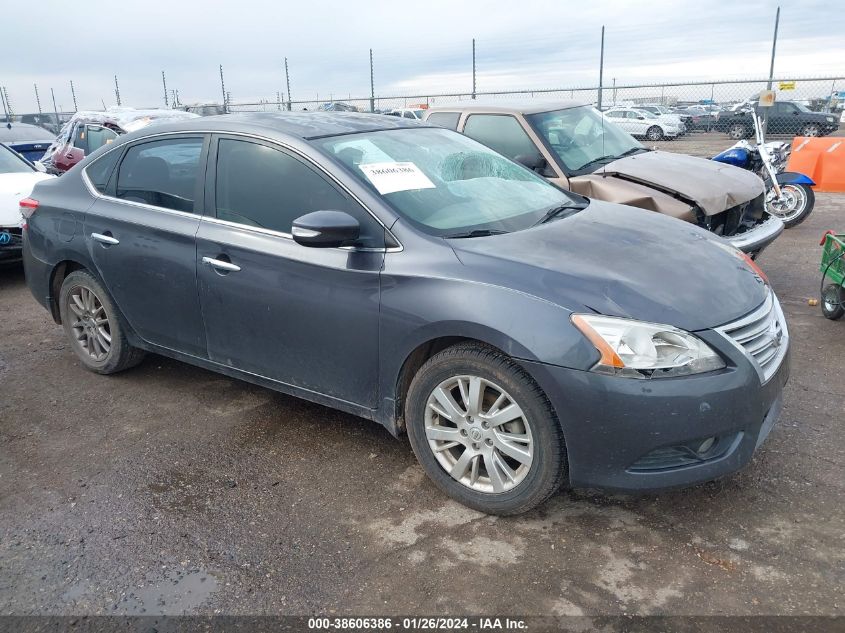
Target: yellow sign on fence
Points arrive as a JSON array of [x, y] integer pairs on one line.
[[787, 85]]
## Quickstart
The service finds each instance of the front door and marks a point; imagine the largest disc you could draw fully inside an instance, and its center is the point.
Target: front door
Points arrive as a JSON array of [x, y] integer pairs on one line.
[[141, 235], [306, 317]]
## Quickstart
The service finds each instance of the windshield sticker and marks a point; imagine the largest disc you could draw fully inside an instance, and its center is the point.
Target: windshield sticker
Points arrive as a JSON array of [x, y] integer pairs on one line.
[[393, 177]]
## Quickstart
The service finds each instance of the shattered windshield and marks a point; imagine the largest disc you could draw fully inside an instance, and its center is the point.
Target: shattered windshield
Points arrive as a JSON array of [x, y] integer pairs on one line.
[[582, 136]]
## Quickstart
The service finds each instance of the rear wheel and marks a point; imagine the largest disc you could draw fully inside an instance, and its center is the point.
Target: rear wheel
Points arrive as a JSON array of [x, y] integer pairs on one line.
[[483, 430], [654, 133], [795, 204], [738, 131], [833, 298], [89, 318]]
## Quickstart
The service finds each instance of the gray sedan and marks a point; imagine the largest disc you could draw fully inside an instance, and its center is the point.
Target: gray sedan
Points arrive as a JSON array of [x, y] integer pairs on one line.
[[521, 336]]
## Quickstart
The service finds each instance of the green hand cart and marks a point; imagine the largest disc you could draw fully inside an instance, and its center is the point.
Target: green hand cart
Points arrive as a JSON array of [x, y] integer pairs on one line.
[[833, 268]]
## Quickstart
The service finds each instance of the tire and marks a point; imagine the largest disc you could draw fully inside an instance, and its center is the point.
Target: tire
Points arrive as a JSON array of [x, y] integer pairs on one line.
[[833, 302], [654, 133], [533, 479], [91, 323], [811, 129], [802, 200], [738, 131]]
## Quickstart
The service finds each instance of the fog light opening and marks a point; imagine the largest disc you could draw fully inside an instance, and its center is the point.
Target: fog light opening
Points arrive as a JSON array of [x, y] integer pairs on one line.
[[706, 445]]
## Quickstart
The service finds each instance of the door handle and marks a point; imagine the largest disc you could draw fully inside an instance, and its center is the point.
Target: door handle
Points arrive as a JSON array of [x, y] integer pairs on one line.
[[221, 265], [105, 239]]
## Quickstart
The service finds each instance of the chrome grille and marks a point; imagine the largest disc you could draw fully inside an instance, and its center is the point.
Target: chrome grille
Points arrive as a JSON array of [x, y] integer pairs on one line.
[[762, 336]]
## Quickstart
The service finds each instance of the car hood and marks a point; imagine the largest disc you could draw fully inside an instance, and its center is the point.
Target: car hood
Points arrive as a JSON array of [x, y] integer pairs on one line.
[[13, 188], [712, 186], [621, 261]]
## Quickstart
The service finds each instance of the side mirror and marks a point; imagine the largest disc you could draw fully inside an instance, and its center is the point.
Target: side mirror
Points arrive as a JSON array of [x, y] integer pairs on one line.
[[641, 118], [535, 162], [325, 229]]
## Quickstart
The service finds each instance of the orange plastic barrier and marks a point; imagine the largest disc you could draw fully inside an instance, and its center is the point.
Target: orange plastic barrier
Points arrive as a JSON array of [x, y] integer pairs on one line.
[[822, 159]]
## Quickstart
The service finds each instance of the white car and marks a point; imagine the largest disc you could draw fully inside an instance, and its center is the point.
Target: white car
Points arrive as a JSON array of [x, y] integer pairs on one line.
[[665, 114], [17, 178], [408, 113], [642, 123]]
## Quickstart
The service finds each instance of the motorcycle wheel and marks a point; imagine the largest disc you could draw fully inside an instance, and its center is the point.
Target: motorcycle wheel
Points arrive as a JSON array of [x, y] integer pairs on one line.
[[795, 206]]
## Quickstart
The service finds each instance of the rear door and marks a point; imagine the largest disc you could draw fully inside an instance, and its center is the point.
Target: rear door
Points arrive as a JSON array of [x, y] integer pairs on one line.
[[141, 235], [307, 317]]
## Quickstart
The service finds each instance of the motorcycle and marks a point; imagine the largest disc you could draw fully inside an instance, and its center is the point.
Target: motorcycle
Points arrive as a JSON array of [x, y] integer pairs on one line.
[[788, 194]]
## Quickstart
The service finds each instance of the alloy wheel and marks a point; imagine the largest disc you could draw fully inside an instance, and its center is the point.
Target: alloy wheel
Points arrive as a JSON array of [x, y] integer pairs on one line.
[[810, 130], [90, 327], [791, 204], [479, 434]]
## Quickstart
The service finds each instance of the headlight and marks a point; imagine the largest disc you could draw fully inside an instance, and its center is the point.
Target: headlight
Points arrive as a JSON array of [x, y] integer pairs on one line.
[[636, 349], [830, 119]]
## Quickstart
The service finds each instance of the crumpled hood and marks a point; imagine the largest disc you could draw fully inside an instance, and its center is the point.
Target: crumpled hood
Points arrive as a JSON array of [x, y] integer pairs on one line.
[[713, 186], [620, 261], [13, 189]]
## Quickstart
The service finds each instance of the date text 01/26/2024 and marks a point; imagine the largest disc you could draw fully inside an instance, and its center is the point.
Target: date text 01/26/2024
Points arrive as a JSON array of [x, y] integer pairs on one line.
[[417, 624]]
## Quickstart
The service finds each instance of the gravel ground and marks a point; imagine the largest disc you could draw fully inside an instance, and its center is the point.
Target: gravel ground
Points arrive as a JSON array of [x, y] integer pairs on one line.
[[170, 489]]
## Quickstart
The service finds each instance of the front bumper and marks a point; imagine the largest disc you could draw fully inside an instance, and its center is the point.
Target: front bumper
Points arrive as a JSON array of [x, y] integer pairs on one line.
[[621, 433], [758, 238]]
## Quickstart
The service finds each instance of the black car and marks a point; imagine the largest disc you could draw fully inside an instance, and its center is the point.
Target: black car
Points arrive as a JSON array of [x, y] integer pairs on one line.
[[522, 336], [785, 117], [30, 141]]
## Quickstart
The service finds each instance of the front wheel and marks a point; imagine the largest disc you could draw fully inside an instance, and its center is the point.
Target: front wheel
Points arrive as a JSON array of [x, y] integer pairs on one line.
[[833, 301], [483, 430], [794, 206], [654, 133], [811, 129]]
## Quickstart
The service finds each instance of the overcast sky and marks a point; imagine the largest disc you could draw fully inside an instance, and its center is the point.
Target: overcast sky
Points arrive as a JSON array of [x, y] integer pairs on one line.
[[420, 46]]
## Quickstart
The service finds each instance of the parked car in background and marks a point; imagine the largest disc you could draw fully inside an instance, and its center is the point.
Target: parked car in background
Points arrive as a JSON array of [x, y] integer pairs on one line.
[[673, 117], [30, 141], [337, 106], [701, 118], [48, 121], [521, 335], [88, 131], [17, 178], [643, 124], [416, 114], [785, 117], [204, 109], [577, 148]]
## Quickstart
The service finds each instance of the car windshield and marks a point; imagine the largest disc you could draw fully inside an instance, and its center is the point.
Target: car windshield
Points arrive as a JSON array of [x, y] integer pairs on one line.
[[582, 136], [11, 163], [801, 106], [446, 183]]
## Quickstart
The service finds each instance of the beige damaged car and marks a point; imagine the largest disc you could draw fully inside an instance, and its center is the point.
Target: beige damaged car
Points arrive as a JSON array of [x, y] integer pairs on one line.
[[577, 148]]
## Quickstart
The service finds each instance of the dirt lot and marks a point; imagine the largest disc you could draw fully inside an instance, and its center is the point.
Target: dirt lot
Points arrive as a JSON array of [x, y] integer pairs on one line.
[[170, 489]]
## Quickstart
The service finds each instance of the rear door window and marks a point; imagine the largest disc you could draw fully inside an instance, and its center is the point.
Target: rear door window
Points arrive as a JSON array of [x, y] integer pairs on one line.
[[502, 133], [99, 171], [449, 120], [161, 173]]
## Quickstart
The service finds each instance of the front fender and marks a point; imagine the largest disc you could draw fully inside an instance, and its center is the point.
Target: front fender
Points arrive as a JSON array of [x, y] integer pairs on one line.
[[794, 178], [417, 310]]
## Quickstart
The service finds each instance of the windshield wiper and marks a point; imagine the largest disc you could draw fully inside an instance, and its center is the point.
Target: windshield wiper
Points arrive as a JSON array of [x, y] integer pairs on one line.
[[556, 211], [628, 152], [598, 160], [476, 233]]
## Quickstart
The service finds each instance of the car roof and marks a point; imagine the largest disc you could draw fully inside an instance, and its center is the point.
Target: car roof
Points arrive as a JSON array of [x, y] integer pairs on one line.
[[23, 132], [302, 125], [514, 107]]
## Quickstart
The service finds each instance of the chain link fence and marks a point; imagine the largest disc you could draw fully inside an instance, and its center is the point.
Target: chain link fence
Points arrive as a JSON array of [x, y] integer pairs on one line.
[[805, 105]]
